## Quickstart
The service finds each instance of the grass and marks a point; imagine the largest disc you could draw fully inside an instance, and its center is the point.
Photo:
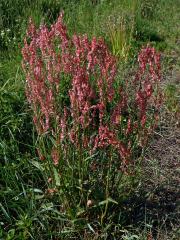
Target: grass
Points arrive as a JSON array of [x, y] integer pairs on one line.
[[27, 210]]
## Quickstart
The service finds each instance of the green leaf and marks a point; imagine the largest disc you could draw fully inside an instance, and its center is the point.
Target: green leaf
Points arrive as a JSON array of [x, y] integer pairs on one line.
[[36, 190], [5, 212], [107, 201], [37, 165], [47, 207], [90, 228], [56, 176], [38, 197]]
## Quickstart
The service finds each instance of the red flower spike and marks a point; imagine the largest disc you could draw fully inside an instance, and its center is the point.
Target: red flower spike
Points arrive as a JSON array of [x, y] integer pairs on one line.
[[91, 118]]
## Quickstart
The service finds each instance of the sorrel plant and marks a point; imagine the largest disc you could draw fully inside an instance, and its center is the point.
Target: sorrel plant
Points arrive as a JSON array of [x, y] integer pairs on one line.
[[89, 126]]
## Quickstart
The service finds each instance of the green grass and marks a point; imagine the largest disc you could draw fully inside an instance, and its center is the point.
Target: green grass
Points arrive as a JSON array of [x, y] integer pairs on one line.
[[27, 211]]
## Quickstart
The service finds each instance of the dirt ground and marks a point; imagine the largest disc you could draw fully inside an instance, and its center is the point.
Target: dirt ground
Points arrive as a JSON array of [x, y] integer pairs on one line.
[[162, 172]]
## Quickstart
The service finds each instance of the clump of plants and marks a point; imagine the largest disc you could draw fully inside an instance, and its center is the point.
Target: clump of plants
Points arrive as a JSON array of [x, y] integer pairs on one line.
[[120, 38], [171, 99], [89, 124]]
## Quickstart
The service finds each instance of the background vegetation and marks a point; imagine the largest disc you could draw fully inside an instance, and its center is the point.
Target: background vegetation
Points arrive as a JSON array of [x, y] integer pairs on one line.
[[27, 209]]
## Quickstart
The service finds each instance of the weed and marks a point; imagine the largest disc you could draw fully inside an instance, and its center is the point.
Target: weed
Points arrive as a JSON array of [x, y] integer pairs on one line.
[[172, 98], [91, 137]]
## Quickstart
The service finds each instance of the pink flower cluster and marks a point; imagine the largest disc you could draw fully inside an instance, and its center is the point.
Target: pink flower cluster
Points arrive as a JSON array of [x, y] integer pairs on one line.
[[149, 66], [93, 118]]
